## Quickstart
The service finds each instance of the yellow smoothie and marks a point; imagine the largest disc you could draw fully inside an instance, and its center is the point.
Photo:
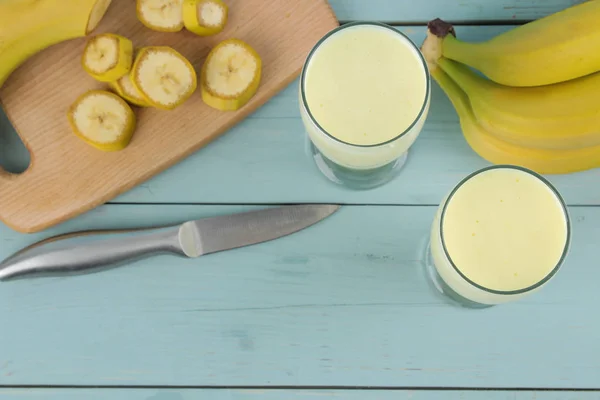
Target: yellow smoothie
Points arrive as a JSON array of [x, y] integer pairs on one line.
[[504, 229], [364, 85]]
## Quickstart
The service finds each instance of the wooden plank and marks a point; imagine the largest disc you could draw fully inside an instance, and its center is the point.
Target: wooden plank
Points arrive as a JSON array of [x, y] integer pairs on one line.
[[461, 10], [262, 160], [37, 96], [292, 394], [342, 303]]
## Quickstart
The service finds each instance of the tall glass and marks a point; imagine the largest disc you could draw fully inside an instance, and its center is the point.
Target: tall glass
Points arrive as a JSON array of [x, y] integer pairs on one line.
[[501, 234], [364, 97]]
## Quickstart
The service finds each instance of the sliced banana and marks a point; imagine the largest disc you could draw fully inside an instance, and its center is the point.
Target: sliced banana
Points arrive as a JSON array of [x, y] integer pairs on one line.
[[230, 75], [161, 15], [125, 88], [107, 57], [103, 120], [163, 76], [204, 17]]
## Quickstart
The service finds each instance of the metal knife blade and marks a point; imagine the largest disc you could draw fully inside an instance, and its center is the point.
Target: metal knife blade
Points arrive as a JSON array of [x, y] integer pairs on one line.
[[87, 251], [226, 232]]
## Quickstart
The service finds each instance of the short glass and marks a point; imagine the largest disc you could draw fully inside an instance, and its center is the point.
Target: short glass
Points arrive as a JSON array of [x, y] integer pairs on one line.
[[363, 166], [456, 281]]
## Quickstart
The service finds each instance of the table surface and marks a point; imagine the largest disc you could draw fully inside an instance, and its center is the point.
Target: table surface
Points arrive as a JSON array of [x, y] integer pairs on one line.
[[338, 310]]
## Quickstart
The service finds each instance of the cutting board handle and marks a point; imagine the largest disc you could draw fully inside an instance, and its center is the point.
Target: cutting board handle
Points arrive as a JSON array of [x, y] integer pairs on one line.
[[5, 178]]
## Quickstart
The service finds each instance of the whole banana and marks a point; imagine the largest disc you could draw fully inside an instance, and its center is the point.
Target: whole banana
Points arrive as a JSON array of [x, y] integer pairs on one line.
[[552, 49], [497, 151], [564, 115], [29, 26]]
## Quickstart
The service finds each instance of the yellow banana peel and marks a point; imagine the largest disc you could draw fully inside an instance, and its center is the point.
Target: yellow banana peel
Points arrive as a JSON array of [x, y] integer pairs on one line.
[[560, 116], [27, 27], [556, 48], [497, 151]]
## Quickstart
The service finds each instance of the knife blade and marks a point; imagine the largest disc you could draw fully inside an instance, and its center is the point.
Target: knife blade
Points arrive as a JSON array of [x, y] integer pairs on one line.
[[88, 251]]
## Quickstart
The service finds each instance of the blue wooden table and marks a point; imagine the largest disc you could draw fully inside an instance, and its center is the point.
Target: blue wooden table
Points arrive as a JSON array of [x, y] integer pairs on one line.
[[340, 310]]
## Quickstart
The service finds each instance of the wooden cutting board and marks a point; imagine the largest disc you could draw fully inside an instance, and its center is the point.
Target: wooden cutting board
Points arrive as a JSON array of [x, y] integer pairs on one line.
[[68, 177]]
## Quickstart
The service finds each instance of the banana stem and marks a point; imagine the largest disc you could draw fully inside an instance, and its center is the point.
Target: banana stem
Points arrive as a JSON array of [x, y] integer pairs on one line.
[[465, 52], [448, 45], [440, 28], [441, 36], [457, 96], [467, 79]]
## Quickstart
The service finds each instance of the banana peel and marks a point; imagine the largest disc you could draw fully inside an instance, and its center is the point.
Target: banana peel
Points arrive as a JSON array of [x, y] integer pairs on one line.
[[27, 27], [556, 48], [564, 115], [497, 151]]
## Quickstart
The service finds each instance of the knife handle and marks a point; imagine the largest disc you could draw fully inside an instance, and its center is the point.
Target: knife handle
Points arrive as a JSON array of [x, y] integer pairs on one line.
[[82, 252]]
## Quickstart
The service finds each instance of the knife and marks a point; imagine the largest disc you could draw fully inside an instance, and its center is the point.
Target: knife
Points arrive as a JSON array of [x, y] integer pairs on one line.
[[87, 251]]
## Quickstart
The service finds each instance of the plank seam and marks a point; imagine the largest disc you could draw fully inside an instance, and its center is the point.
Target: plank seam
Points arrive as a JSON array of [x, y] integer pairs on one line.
[[479, 23], [302, 203], [287, 387]]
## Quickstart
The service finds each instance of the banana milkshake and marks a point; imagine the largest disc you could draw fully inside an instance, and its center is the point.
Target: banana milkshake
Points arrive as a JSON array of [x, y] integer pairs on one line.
[[501, 234], [364, 97]]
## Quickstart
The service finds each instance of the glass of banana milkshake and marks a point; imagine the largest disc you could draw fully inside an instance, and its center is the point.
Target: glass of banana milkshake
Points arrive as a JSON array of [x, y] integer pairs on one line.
[[364, 97], [502, 233]]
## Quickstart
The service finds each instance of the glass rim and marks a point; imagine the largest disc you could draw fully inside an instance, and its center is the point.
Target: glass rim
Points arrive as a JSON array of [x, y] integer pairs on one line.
[[409, 42], [565, 213]]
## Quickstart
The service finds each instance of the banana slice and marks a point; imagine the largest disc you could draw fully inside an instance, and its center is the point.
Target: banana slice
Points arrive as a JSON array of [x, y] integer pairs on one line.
[[230, 75], [204, 17], [161, 15], [125, 88], [107, 57], [102, 119], [163, 76]]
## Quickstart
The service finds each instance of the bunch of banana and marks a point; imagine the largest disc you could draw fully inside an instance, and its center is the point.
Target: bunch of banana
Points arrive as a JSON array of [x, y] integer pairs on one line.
[[556, 48], [497, 151], [535, 103]]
